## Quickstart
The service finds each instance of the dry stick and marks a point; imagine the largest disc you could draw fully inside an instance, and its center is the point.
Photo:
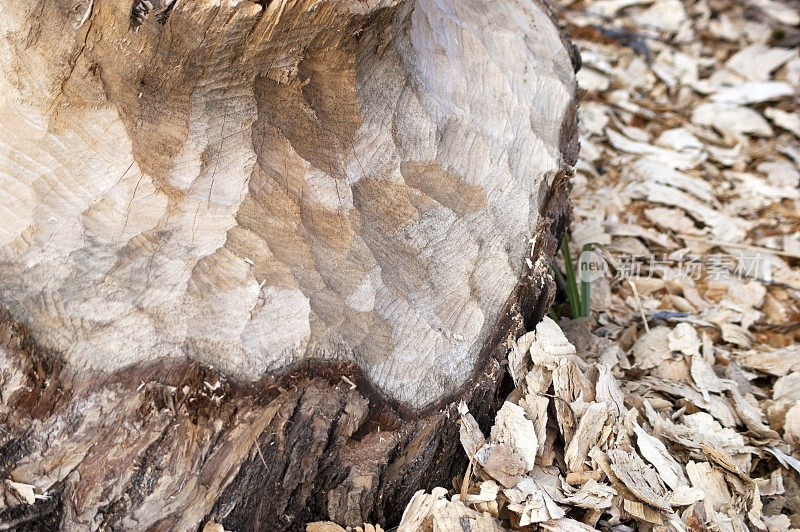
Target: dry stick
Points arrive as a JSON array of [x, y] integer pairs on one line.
[[466, 479], [609, 257], [638, 302], [258, 448]]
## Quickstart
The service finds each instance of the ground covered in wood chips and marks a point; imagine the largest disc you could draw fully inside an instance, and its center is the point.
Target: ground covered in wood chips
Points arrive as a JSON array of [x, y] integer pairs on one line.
[[676, 404]]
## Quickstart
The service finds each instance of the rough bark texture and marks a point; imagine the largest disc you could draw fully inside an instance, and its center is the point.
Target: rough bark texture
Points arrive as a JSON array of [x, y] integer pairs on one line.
[[178, 188]]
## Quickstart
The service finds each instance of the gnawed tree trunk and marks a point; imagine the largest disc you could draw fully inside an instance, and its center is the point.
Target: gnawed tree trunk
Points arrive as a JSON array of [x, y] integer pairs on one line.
[[252, 254]]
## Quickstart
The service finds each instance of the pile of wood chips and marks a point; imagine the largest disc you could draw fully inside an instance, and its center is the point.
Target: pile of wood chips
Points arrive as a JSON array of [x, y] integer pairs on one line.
[[677, 404]]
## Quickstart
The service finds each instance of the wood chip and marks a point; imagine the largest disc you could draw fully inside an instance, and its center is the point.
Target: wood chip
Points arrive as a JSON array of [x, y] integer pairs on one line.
[[586, 436], [690, 170], [655, 452], [532, 504], [24, 491], [640, 478], [502, 462], [511, 427]]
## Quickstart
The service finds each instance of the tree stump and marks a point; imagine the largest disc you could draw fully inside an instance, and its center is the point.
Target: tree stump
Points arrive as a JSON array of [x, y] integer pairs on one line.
[[254, 253]]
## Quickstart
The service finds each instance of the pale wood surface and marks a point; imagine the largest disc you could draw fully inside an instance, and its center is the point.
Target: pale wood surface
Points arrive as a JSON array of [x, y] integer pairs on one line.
[[254, 186]]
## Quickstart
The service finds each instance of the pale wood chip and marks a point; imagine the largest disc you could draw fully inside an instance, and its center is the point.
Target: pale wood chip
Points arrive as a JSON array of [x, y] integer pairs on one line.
[[488, 492], [613, 356], [502, 462], [321, 526], [736, 335], [655, 452], [569, 385], [642, 511], [711, 482], [586, 436], [686, 496], [609, 8], [777, 362], [565, 525], [659, 172], [23, 490], [684, 338], [607, 391], [787, 387], [783, 13], [549, 480], [550, 345], [788, 121], [591, 80], [724, 521], [593, 495], [456, 517], [664, 15], [470, 433], [697, 430], [672, 219], [743, 487], [784, 459], [640, 478], [751, 415], [531, 503], [678, 160], [536, 410], [773, 485], [761, 188], [731, 120], [704, 377], [778, 523], [593, 119], [660, 239], [723, 226], [518, 357], [538, 380], [652, 348], [749, 294], [419, 508], [723, 460], [756, 61], [581, 477], [750, 92], [511, 427], [433, 512], [715, 405], [791, 426]]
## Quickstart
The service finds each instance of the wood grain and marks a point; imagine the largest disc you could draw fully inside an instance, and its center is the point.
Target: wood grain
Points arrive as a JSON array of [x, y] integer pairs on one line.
[[254, 186]]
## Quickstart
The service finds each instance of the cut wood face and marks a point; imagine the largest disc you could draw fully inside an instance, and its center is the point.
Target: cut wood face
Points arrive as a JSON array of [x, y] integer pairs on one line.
[[254, 186]]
